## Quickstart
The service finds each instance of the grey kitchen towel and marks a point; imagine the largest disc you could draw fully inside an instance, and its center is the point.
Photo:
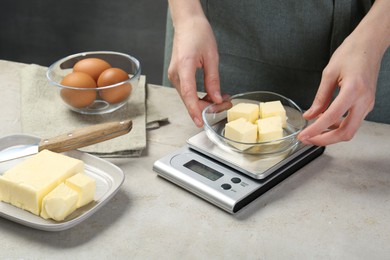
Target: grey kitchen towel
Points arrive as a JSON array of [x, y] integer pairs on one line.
[[44, 114]]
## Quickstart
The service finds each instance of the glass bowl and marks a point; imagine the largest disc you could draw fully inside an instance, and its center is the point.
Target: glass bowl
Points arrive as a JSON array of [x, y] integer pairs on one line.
[[215, 118], [94, 100]]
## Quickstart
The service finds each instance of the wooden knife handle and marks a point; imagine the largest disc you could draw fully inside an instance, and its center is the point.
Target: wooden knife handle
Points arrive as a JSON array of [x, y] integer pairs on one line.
[[86, 136]]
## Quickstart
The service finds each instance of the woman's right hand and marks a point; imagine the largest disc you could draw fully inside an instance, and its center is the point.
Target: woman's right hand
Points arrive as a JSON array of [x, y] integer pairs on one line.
[[194, 47]]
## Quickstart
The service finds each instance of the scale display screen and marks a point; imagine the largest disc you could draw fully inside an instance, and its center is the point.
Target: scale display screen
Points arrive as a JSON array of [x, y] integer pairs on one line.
[[203, 170]]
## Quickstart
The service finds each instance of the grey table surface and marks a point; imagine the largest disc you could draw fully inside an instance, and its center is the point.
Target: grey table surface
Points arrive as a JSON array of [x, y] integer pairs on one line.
[[336, 207]]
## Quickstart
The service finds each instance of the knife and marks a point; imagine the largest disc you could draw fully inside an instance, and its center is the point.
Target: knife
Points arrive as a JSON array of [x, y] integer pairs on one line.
[[78, 138]]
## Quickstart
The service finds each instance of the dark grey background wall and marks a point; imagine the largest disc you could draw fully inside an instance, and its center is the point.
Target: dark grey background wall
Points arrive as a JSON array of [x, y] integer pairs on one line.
[[43, 31]]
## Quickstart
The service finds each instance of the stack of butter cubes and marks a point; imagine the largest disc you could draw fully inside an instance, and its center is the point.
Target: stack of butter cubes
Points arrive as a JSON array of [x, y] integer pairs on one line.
[[48, 184], [255, 123]]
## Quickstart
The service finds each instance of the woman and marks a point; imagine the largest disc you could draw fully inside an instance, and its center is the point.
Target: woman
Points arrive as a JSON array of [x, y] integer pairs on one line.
[[305, 50]]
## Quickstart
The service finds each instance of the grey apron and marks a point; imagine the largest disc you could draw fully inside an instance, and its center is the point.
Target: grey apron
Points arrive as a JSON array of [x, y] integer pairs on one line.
[[283, 46]]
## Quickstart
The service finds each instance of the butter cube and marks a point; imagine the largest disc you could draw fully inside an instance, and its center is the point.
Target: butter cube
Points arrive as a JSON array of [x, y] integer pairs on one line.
[[248, 111], [85, 186], [273, 120], [59, 203], [273, 108], [26, 184], [240, 130], [270, 128]]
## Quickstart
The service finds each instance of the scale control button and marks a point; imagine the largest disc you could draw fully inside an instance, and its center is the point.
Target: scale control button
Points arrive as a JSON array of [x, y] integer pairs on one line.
[[236, 180], [226, 186]]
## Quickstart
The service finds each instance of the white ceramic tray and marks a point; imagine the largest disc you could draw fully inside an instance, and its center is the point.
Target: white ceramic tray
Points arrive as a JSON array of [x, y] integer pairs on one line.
[[108, 178]]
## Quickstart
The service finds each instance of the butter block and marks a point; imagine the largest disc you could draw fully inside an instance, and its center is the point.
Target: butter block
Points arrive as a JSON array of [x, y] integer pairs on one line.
[[85, 186], [26, 184], [273, 108], [59, 203], [240, 130], [273, 120], [270, 128], [248, 111]]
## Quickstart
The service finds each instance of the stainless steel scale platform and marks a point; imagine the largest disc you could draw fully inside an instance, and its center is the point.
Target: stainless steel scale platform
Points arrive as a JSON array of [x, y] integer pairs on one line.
[[228, 179]]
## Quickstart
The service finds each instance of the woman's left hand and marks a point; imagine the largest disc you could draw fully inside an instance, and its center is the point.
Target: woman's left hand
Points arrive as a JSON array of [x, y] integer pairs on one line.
[[354, 68]]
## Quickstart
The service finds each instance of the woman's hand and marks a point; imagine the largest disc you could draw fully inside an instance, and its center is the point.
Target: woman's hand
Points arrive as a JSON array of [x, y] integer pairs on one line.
[[194, 47], [355, 73], [354, 68]]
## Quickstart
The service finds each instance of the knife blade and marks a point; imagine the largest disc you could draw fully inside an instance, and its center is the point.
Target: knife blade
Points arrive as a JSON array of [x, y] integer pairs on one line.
[[75, 139]]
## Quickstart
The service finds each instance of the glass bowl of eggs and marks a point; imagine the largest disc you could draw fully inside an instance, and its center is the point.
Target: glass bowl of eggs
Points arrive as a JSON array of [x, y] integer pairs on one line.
[[259, 122], [96, 82]]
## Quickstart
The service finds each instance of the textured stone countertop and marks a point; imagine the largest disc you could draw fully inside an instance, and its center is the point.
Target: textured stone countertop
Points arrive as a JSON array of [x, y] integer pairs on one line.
[[336, 207]]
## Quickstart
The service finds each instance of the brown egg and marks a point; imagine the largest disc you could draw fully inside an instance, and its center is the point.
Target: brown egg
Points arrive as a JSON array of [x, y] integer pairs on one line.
[[78, 98], [116, 94], [92, 66]]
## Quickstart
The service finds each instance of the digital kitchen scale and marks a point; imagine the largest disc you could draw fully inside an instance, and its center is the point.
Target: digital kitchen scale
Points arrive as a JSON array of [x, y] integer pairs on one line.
[[228, 179]]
